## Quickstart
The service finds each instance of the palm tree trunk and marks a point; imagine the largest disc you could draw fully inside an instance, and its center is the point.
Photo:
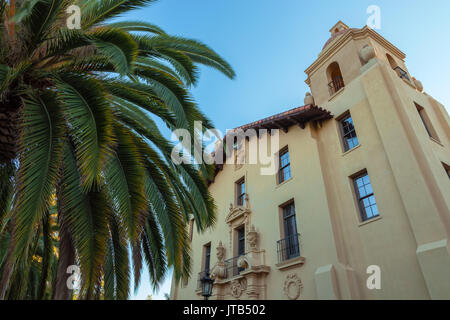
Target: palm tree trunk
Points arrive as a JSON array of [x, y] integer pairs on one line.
[[12, 12], [9, 264], [60, 289], [9, 134]]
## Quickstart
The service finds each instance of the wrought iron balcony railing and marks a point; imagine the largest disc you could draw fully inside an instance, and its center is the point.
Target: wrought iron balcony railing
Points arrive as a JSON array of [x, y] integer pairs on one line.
[[288, 248], [402, 73], [336, 84], [232, 267]]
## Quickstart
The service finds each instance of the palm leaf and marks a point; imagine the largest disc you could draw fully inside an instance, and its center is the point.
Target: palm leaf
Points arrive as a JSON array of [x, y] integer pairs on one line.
[[90, 124], [125, 182], [95, 12], [140, 26], [117, 45], [86, 217], [40, 153]]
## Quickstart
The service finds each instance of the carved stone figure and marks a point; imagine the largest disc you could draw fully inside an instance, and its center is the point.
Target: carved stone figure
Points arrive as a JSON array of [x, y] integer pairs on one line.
[[219, 271], [237, 287], [252, 238], [220, 252]]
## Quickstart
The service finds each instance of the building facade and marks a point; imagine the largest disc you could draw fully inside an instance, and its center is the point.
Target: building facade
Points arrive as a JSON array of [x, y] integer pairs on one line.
[[360, 205]]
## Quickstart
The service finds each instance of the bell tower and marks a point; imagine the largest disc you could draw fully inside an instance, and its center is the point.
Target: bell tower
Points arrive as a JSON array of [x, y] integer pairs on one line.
[[344, 53], [387, 126]]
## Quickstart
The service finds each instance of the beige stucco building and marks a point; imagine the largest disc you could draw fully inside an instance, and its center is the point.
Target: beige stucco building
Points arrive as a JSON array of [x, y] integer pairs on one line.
[[364, 181]]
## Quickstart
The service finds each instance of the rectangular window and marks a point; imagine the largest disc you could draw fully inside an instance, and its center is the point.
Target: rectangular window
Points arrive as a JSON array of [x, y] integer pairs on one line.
[[290, 244], [285, 166], [366, 199], [241, 241], [207, 256], [240, 244], [426, 122], [348, 132], [240, 192]]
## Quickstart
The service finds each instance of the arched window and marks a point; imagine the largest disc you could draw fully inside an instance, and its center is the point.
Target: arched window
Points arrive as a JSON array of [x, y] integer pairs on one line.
[[401, 73], [392, 62], [335, 80]]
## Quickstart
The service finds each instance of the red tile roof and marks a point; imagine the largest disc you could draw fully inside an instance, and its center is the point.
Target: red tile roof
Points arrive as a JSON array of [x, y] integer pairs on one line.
[[296, 116]]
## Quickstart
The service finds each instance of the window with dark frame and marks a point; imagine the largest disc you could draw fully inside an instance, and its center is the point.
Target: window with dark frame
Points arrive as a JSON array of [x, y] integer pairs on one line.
[[426, 122], [348, 132], [241, 241], [285, 166], [289, 246], [240, 192], [240, 244], [365, 196], [207, 250]]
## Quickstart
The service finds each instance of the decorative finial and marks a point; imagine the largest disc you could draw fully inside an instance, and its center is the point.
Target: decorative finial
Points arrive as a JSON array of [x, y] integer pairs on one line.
[[417, 84], [309, 99], [367, 53]]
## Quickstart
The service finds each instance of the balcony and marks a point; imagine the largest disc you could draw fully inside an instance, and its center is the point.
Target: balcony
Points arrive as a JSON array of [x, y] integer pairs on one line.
[[402, 73], [335, 85], [232, 268], [288, 248]]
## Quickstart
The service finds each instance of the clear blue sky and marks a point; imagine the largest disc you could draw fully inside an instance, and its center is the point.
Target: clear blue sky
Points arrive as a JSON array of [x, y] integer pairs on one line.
[[271, 43]]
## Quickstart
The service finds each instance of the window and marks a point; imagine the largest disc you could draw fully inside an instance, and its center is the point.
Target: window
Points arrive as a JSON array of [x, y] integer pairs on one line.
[[240, 241], [401, 73], [426, 122], [207, 257], [285, 166], [288, 247], [350, 140], [240, 192], [335, 80], [366, 199], [240, 244]]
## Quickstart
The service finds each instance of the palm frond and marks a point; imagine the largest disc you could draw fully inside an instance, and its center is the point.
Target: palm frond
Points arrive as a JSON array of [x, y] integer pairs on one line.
[[137, 26], [86, 217], [125, 182], [117, 271], [117, 45], [41, 147], [197, 51], [90, 124], [95, 12]]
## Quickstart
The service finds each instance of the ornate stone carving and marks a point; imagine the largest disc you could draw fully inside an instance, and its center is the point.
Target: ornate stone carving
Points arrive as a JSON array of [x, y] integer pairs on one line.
[[220, 252], [367, 53], [219, 271], [309, 99], [417, 84], [252, 239], [242, 262], [237, 287], [292, 286], [235, 213]]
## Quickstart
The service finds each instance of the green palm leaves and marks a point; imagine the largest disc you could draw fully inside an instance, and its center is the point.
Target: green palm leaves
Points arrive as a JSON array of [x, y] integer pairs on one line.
[[89, 180]]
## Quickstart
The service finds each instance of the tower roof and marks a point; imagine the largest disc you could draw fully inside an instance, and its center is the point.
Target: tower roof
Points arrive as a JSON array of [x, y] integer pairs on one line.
[[336, 31]]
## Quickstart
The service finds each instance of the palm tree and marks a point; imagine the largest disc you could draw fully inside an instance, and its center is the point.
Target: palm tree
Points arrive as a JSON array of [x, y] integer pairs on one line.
[[85, 173]]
